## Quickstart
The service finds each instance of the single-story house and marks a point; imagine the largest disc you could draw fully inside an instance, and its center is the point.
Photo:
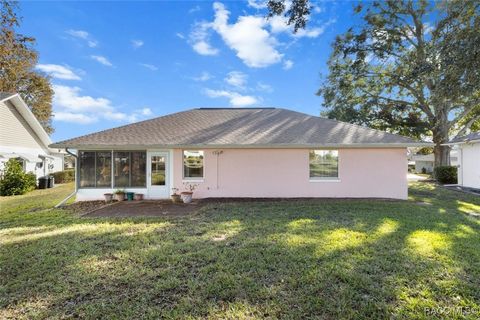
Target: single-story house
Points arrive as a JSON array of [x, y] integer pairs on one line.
[[423, 162], [468, 153], [23, 137], [242, 152], [427, 161]]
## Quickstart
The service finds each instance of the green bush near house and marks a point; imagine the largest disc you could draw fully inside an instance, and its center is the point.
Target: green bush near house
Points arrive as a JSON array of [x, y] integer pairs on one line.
[[64, 176], [446, 174], [14, 181]]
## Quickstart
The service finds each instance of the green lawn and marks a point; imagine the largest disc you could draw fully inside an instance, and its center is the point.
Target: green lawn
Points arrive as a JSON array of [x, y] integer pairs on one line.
[[303, 259]]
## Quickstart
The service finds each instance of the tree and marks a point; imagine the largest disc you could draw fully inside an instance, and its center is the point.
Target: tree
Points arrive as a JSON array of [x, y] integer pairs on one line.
[[410, 67], [17, 67]]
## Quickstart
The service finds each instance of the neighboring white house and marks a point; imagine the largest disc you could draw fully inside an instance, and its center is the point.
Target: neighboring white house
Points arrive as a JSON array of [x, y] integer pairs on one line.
[[427, 161], [423, 162], [23, 137], [469, 159]]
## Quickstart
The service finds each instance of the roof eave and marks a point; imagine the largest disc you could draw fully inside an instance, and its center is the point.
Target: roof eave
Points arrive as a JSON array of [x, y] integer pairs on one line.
[[460, 142], [242, 146]]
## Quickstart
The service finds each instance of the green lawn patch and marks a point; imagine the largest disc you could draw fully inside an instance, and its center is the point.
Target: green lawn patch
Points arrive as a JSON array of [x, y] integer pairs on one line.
[[246, 260]]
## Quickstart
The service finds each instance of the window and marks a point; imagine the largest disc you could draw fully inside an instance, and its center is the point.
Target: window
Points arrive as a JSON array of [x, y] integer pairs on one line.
[[324, 164], [129, 169], [104, 169], [139, 169], [95, 169], [89, 175], [192, 164]]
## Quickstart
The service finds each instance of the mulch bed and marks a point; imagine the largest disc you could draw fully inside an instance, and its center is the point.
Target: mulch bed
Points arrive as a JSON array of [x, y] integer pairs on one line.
[[145, 208], [82, 207]]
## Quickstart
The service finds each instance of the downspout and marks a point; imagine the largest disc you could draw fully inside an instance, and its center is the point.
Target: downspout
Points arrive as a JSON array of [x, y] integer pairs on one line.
[[75, 191]]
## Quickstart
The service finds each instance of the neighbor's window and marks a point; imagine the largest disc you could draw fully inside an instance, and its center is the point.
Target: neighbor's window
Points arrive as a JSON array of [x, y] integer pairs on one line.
[[323, 164], [193, 164], [129, 169], [94, 169]]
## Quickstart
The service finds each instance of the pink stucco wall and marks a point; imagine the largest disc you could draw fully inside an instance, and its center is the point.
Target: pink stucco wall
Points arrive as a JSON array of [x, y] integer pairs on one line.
[[379, 173]]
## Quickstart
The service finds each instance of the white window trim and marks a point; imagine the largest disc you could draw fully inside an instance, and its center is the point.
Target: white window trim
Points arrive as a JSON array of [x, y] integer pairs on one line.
[[325, 179], [193, 179]]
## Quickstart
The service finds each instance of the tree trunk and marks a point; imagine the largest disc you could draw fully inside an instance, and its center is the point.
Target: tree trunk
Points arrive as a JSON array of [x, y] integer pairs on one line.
[[441, 152]]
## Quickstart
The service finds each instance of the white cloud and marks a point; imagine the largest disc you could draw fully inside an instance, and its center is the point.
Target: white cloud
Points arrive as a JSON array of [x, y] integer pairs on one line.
[[137, 43], [264, 87], [146, 112], [83, 35], [180, 35], [204, 76], [194, 9], [102, 60], [318, 9], [257, 4], [204, 48], [248, 37], [149, 66], [236, 99], [287, 64], [237, 79], [74, 117], [279, 24], [199, 39], [58, 71], [71, 106]]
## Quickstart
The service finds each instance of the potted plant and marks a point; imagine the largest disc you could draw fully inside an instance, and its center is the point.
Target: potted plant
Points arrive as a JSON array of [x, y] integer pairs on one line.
[[119, 195], [175, 196], [138, 196], [108, 197], [188, 194]]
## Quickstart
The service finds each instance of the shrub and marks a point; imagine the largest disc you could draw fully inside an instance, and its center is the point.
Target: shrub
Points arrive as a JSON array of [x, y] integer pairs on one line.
[[64, 176], [15, 181], [446, 174]]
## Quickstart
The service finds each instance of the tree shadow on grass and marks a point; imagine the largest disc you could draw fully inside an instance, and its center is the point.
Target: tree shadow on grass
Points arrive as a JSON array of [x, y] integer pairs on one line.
[[306, 259]]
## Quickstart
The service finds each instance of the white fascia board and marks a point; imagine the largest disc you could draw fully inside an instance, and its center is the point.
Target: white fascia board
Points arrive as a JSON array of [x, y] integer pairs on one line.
[[30, 118], [245, 146]]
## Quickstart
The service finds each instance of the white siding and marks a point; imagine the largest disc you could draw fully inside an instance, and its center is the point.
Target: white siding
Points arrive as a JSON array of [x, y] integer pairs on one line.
[[16, 136], [469, 171], [14, 129]]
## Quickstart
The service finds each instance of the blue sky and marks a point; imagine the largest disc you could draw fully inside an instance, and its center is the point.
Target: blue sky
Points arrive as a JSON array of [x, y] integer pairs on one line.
[[115, 63]]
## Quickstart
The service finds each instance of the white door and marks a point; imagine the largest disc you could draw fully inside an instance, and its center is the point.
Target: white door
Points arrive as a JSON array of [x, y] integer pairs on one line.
[[157, 175]]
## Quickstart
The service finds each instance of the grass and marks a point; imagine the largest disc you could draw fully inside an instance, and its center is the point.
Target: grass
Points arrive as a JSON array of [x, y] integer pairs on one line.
[[292, 259]]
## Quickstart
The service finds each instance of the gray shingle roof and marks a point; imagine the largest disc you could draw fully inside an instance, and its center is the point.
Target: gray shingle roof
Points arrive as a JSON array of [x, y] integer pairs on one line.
[[5, 95], [269, 127], [468, 137]]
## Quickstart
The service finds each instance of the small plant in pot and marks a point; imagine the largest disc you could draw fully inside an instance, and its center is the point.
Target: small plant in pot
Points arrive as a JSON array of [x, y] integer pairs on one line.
[[175, 196], [188, 194], [138, 196], [119, 195], [108, 197]]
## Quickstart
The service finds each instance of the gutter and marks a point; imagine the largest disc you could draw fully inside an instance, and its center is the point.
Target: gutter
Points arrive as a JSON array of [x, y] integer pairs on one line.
[[245, 146], [61, 203], [461, 142]]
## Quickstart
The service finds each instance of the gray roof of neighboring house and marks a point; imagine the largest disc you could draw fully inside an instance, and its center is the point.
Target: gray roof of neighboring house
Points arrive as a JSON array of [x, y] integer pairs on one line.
[[5, 95], [469, 137], [237, 127]]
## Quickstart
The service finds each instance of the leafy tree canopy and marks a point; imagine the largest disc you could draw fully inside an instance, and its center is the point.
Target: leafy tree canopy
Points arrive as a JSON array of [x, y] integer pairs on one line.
[[410, 67], [17, 67]]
